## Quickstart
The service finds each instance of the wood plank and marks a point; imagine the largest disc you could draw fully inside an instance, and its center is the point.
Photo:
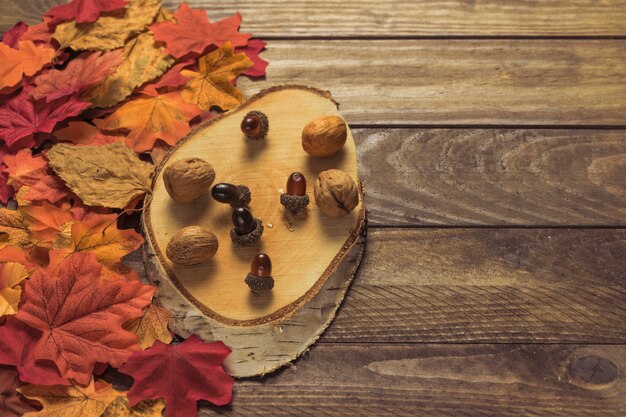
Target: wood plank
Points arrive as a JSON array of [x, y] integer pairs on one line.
[[487, 286], [493, 177], [441, 380], [460, 82], [334, 18]]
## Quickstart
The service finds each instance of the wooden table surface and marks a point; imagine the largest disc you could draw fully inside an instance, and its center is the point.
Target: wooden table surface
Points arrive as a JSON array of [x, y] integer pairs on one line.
[[492, 143]]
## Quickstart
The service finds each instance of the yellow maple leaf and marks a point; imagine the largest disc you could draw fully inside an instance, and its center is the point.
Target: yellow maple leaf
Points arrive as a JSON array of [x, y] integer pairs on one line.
[[151, 326], [149, 118], [212, 85], [27, 59], [146, 408], [109, 32], [11, 274], [143, 61], [98, 234], [72, 401]]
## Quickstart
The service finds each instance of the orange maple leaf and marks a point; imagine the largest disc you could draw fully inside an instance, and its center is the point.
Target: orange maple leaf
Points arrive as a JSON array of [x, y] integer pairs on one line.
[[27, 60], [212, 85], [81, 318], [98, 234], [149, 118], [11, 275], [24, 168], [83, 133], [81, 73], [48, 225], [72, 401]]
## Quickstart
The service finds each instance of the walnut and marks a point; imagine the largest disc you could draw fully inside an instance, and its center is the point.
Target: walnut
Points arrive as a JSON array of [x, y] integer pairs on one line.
[[324, 136], [192, 245], [188, 179], [336, 193]]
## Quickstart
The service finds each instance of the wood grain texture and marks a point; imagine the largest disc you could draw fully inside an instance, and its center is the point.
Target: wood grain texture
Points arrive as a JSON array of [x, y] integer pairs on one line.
[[493, 176], [304, 18], [460, 82], [441, 380], [487, 285], [27, 11]]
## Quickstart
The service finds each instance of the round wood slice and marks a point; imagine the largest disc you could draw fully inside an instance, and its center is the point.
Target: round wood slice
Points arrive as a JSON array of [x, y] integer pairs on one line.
[[314, 257]]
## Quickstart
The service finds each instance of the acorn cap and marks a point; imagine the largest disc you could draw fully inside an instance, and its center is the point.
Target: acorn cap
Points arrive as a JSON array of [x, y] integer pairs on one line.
[[259, 284], [245, 196], [294, 202], [248, 239], [265, 125]]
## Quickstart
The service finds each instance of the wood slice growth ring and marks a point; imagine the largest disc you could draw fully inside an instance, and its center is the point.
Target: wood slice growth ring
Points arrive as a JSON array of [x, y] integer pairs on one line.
[[314, 257]]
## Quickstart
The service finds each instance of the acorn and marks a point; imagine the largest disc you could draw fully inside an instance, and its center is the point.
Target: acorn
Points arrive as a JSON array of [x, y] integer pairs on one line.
[[255, 125], [246, 229], [235, 195], [260, 279], [295, 199]]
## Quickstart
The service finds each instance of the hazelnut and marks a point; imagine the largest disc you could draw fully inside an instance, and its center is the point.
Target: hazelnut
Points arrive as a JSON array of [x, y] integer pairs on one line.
[[260, 278], [324, 136], [187, 179], [336, 193], [192, 245]]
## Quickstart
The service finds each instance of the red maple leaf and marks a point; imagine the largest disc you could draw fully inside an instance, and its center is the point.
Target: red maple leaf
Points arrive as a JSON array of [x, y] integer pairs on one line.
[[12, 36], [83, 11], [39, 33], [81, 73], [32, 258], [18, 349], [169, 81], [79, 317], [6, 191], [21, 116], [193, 32], [25, 169], [181, 375], [252, 50], [12, 403]]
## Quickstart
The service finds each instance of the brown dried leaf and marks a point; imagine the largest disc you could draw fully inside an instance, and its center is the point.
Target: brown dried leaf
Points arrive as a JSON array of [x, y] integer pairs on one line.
[[212, 85], [151, 326], [106, 175], [13, 231], [143, 61], [109, 32]]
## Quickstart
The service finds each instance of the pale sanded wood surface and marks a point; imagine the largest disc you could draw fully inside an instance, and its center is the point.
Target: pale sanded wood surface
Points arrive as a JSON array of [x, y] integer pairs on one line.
[[493, 176], [314, 257], [305, 248], [459, 82], [368, 18]]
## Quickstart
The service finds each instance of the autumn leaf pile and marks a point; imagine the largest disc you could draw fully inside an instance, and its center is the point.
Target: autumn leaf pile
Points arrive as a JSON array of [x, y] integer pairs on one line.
[[108, 79]]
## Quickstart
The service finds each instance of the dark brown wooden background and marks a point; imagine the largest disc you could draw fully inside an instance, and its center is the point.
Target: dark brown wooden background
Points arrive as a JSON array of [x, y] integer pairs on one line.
[[492, 144]]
